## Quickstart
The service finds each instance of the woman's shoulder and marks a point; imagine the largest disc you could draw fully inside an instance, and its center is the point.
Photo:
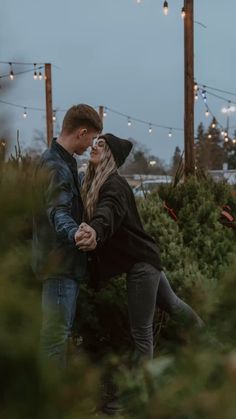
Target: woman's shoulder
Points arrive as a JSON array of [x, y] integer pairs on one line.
[[117, 180]]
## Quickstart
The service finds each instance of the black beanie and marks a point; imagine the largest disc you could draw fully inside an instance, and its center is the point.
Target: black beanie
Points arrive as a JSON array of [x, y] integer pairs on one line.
[[120, 148]]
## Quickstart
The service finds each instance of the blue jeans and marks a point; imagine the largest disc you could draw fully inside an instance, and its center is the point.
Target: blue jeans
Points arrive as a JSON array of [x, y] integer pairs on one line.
[[58, 311]]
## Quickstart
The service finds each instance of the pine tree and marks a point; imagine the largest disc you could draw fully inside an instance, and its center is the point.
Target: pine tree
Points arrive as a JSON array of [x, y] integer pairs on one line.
[[175, 160], [210, 153], [231, 153]]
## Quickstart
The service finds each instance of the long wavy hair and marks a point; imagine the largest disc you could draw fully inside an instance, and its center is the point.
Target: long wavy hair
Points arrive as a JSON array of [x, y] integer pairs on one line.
[[94, 179]]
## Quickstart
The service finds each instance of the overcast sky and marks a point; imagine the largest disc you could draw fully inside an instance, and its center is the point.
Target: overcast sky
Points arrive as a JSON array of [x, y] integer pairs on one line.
[[120, 54]]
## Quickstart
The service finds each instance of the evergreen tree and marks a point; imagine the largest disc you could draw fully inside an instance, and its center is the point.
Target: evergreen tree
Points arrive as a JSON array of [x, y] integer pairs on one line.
[[210, 152], [201, 147], [175, 160], [231, 153]]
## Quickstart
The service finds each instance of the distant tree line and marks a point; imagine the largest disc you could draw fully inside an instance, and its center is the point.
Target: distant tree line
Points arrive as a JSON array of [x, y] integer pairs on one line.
[[211, 149]]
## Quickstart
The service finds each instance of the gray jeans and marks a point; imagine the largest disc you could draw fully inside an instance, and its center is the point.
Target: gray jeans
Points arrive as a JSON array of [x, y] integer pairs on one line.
[[148, 287]]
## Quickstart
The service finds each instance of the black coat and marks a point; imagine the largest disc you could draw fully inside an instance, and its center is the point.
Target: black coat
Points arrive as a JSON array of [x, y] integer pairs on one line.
[[58, 211], [122, 241]]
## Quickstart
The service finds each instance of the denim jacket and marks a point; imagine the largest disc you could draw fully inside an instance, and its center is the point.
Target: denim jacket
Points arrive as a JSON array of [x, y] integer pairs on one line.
[[58, 211]]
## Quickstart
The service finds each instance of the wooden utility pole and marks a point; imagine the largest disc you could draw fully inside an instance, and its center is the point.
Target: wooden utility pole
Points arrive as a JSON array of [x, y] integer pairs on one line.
[[49, 112], [189, 167], [101, 112]]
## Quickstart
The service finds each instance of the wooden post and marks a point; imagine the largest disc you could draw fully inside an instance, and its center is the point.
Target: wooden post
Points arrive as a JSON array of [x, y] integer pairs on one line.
[[189, 167], [49, 112], [101, 112]]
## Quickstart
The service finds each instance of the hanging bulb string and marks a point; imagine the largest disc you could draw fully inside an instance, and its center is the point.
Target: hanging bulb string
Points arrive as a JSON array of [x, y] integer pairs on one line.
[[20, 63], [141, 121], [217, 90], [22, 72], [213, 116], [220, 97], [22, 107]]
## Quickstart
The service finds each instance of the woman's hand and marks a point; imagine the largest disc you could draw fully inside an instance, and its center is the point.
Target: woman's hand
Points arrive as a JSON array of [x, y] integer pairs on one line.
[[85, 237]]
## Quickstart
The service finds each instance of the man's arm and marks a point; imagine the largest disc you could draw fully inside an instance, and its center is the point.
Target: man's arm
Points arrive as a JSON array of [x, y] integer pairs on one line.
[[59, 197]]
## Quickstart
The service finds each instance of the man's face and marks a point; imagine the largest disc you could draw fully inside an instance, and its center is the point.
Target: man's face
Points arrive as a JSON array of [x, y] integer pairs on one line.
[[84, 139]]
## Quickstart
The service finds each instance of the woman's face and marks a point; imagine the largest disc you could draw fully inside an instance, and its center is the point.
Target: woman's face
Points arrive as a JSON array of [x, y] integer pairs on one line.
[[96, 152]]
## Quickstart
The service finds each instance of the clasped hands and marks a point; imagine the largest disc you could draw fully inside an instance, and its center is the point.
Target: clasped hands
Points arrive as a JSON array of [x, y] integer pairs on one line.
[[85, 238]]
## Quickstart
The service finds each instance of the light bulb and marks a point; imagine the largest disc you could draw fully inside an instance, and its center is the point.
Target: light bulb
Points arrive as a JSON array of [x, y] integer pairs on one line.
[[234, 140], [25, 113], [40, 76], [195, 86], [150, 128], [207, 112], [35, 73], [165, 8], [183, 13], [170, 133], [11, 74], [209, 136], [196, 96], [54, 116], [105, 112], [129, 122]]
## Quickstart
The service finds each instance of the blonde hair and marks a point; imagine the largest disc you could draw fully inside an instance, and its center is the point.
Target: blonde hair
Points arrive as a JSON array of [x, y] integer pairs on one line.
[[94, 179]]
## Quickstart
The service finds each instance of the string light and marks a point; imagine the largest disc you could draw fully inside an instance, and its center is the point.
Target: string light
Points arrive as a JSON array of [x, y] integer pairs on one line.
[[195, 86], [183, 13], [150, 128], [54, 117], [226, 139], [129, 122], [105, 112], [11, 74], [207, 113], [170, 133], [209, 136], [165, 8], [25, 113], [213, 125], [196, 96], [40, 75], [204, 95], [35, 73], [234, 140]]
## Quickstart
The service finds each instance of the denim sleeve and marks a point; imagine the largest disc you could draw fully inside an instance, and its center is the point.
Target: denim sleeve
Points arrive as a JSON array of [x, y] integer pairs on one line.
[[59, 197]]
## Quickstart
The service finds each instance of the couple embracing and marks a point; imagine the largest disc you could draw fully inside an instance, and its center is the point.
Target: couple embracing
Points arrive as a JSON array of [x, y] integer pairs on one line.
[[100, 217]]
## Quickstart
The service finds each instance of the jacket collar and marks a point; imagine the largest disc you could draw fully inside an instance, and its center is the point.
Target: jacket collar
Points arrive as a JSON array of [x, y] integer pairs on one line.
[[64, 154]]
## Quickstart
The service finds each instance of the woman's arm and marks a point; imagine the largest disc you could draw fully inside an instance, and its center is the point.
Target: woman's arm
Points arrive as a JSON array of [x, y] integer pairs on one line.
[[110, 211]]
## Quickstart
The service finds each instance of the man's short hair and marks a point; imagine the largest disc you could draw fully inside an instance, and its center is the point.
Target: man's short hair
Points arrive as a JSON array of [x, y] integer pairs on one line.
[[81, 116]]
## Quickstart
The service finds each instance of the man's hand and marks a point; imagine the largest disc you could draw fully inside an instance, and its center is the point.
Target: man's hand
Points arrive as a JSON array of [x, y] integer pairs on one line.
[[85, 237]]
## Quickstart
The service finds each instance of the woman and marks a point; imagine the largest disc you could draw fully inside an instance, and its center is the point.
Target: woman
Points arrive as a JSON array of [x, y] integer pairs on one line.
[[122, 244]]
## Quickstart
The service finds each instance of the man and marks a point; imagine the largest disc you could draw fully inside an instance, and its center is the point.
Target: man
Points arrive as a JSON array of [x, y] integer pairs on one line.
[[58, 212]]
